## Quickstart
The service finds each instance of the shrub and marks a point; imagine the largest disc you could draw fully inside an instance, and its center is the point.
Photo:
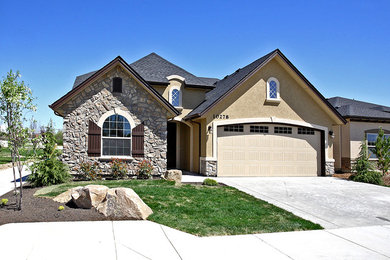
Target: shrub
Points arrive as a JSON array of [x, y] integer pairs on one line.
[[369, 177], [119, 168], [60, 208], [382, 151], [59, 138], [363, 169], [48, 170], [4, 202], [89, 170], [210, 182], [145, 169]]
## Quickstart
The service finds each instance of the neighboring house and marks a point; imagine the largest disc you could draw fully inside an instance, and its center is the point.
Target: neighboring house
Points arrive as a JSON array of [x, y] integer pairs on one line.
[[265, 119], [363, 123]]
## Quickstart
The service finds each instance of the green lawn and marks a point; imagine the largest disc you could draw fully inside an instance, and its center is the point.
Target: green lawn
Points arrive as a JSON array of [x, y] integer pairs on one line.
[[203, 210], [27, 153]]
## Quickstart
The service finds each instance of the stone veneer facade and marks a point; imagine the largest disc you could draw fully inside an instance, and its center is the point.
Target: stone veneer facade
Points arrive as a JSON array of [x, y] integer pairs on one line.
[[208, 167], [97, 99]]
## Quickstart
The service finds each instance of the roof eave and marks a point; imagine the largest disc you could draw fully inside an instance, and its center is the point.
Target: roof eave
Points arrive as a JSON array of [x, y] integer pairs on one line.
[[368, 119]]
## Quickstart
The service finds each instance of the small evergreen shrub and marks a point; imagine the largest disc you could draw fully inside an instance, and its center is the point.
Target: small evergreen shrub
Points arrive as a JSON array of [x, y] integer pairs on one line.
[[3, 202], [89, 170], [369, 177], [119, 169], [48, 169], [61, 208], [210, 182], [364, 170], [145, 169]]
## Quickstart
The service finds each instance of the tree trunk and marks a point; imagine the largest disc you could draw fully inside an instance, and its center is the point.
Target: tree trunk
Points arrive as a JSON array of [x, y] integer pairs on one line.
[[15, 188], [20, 169]]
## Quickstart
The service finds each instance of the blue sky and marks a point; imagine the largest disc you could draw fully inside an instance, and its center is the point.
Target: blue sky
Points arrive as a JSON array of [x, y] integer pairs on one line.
[[342, 47]]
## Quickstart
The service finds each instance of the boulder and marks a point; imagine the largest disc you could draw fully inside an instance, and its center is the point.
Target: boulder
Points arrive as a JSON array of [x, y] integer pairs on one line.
[[173, 175], [124, 203], [66, 196], [89, 196]]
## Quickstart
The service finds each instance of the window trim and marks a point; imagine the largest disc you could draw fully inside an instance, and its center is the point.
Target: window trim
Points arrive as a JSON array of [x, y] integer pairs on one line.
[[125, 114], [115, 137], [277, 99], [180, 96]]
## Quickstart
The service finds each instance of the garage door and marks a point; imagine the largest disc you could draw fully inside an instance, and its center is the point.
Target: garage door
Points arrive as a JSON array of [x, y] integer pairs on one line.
[[268, 150]]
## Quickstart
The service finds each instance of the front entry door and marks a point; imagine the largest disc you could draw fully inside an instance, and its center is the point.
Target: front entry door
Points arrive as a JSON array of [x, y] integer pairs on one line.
[[171, 139]]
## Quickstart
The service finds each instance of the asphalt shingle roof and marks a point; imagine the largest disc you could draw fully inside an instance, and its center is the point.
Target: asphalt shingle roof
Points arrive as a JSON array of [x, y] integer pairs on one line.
[[227, 83], [354, 108], [155, 69]]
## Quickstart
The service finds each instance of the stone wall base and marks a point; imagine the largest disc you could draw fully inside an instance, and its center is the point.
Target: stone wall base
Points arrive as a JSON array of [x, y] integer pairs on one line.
[[208, 167], [329, 168]]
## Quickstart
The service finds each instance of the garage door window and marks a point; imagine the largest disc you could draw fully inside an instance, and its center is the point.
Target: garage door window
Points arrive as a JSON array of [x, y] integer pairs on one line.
[[233, 128], [258, 129], [305, 131], [282, 130]]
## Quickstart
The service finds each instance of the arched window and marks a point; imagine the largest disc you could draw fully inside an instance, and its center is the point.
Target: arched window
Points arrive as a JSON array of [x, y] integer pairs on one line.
[[116, 135], [175, 97], [273, 89]]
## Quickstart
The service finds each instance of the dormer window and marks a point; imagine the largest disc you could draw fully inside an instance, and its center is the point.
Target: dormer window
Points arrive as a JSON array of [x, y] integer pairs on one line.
[[175, 97], [273, 90], [117, 85]]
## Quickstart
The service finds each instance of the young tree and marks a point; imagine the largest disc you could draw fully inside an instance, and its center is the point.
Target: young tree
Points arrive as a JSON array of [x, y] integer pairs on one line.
[[382, 151], [362, 164], [15, 100]]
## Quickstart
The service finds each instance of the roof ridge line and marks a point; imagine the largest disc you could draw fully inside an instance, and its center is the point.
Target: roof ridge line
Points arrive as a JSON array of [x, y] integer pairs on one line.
[[177, 66]]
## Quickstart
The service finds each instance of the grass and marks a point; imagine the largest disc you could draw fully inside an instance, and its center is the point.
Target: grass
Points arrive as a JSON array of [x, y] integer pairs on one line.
[[203, 210], [27, 153]]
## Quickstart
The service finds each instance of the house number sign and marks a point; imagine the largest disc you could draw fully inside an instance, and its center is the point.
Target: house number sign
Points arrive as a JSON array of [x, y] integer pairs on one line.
[[220, 116]]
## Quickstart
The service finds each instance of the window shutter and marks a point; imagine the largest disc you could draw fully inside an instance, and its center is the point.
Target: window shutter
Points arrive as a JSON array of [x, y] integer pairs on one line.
[[138, 141], [94, 139]]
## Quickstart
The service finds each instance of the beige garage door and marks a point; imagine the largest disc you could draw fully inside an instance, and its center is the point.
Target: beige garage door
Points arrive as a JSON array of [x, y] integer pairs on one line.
[[268, 150]]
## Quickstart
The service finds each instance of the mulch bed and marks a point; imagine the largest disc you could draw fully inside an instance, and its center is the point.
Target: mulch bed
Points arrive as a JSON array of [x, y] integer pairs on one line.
[[35, 209]]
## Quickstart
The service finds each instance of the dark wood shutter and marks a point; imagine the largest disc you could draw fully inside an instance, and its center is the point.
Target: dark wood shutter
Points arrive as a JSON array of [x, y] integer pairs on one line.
[[94, 139], [137, 140]]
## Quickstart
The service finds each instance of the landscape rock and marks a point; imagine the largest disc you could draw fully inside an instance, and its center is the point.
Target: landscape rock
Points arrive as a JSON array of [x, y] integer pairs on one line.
[[66, 196], [124, 203], [89, 196], [173, 175]]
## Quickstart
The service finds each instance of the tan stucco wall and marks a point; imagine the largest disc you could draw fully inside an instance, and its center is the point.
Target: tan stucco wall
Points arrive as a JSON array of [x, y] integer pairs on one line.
[[357, 134], [249, 101], [191, 97]]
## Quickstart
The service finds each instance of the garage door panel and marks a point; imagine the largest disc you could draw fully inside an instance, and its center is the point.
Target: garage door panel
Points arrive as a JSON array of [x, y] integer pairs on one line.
[[253, 154]]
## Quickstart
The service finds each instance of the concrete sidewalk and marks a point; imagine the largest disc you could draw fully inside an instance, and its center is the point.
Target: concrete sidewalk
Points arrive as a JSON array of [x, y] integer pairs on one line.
[[7, 178], [148, 240]]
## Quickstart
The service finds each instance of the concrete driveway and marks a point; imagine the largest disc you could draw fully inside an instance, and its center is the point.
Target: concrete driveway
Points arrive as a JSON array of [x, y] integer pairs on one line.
[[328, 201]]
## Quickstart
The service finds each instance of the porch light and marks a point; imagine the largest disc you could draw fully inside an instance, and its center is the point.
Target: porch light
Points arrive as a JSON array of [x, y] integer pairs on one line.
[[331, 133], [209, 130]]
